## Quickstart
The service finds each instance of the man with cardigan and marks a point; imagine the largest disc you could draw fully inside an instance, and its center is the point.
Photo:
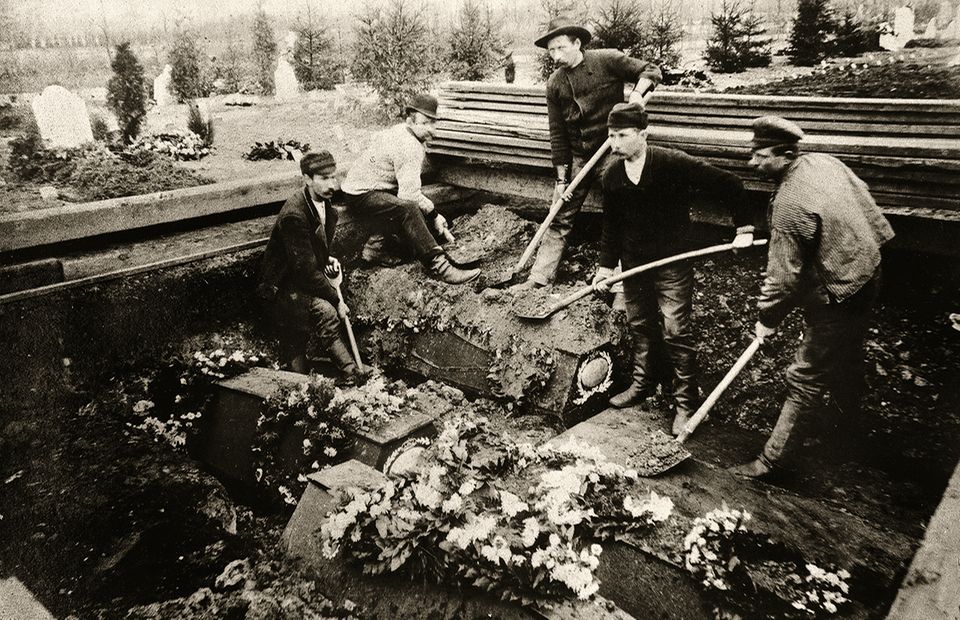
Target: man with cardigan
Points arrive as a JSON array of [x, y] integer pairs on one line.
[[302, 302], [646, 202]]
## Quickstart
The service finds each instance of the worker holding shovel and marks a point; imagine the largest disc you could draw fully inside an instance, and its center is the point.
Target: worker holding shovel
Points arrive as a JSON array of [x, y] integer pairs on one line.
[[825, 237], [580, 94], [646, 216]]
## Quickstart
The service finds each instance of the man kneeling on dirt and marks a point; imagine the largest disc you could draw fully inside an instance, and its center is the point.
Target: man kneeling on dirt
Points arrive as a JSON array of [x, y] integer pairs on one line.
[[383, 189], [646, 202], [297, 267], [825, 237]]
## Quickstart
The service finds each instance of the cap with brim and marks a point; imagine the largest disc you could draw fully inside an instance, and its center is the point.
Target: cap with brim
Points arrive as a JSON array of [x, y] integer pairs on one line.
[[625, 115], [563, 25], [423, 103], [774, 131], [319, 162]]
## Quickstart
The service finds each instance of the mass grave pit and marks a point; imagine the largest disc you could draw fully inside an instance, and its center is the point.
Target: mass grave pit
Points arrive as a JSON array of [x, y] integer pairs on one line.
[[230, 431], [469, 336]]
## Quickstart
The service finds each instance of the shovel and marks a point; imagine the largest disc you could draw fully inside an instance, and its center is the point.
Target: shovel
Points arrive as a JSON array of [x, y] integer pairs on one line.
[[539, 315], [555, 208], [708, 404], [337, 281]]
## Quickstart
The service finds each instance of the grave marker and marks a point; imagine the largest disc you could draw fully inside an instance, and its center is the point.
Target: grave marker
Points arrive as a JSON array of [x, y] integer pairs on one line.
[[62, 117]]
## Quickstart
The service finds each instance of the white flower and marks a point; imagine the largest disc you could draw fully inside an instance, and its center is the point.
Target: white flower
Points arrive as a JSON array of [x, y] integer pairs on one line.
[[531, 531], [510, 504], [142, 406], [452, 503], [330, 451]]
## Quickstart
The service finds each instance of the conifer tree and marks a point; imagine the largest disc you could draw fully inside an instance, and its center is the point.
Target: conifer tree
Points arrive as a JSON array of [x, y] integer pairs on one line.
[[315, 62], [264, 52], [474, 47], [127, 91], [186, 79], [813, 29], [737, 41]]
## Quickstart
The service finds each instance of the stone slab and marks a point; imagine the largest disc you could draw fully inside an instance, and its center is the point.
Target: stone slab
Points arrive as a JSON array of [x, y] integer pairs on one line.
[[30, 275], [375, 447], [18, 603], [931, 589]]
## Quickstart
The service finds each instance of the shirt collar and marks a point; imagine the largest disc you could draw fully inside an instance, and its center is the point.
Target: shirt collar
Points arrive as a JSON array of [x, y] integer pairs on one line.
[[312, 206]]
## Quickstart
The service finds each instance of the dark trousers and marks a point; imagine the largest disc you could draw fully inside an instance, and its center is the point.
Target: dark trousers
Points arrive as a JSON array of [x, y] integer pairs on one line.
[[386, 214], [304, 322], [660, 305], [830, 359]]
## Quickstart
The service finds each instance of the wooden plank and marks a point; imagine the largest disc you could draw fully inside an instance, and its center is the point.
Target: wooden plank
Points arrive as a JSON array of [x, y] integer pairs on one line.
[[540, 110], [800, 115], [492, 140], [519, 132], [500, 158], [811, 127]]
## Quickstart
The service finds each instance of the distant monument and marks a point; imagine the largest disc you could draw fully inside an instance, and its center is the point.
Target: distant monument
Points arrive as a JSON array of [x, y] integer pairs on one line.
[[931, 31], [285, 84], [62, 118], [903, 24], [161, 87]]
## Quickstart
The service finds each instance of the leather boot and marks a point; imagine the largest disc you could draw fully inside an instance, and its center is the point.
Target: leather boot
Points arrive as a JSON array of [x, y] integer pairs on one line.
[[374, 252], [341, 356], [633, 395], [440, 268]]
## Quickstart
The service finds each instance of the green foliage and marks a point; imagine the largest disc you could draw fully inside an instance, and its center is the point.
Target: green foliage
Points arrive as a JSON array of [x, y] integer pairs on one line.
[[186, 78], [230, 69], [813, 29], [474, 46], [664, 35], [264, 52], [737, 42], [30, 160], [620, 25], [315, 62], [98, 125], [392, 52], [851, 38], [200, 126], [127, 91]]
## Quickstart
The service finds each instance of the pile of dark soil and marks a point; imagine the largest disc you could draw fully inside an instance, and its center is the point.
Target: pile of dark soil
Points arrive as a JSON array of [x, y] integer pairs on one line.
[[887, 78]]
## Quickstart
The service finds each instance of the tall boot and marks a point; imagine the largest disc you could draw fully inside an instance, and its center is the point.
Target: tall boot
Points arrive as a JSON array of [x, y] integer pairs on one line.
[[375, 252], [639, 390], [341, 356], [439, 267]]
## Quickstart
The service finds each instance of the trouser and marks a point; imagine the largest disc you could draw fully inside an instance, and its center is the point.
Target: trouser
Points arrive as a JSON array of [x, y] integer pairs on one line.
[[830, 359], [554, 240], [386, 214], [660, 304], [304, 322]]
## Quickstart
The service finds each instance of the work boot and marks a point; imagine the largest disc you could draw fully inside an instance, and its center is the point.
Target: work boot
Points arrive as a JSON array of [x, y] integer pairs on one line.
[[374, 252], [527, 285], [633, 395], [757, 468], [680, 420], [340, 355], [439, 267]]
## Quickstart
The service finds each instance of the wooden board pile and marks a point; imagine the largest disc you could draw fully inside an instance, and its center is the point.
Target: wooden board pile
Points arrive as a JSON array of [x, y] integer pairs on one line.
[[907, 150]]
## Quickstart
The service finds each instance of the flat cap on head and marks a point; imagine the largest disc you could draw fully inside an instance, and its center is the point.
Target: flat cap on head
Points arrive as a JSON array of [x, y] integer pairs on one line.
[[563, 25], [319, 162], [423, 103], [774, 131], [627, 115]]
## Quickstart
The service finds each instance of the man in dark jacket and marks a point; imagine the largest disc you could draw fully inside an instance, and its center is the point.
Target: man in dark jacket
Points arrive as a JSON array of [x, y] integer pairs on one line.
[[646, 203], [297, 265], [825, 237], [580, 95]]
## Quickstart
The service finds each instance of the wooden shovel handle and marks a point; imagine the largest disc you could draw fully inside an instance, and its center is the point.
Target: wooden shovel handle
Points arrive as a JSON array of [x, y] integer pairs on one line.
[[708, 404], [337, 281], [555, 207], [629, 273]]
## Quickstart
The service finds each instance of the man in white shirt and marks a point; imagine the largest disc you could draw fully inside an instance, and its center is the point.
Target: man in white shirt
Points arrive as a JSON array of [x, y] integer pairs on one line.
[[383, 188]]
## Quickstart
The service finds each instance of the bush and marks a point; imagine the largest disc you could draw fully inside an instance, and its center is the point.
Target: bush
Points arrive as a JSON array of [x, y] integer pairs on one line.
[[196, 124], [264, 52], [230, 71], [851, 39], [127, 92], [474, 49], [99, 127], [30, 160], [736, 43], [620, 26], [314, 61], [811, 37], [11, 117], [392, 52], [186, 77]]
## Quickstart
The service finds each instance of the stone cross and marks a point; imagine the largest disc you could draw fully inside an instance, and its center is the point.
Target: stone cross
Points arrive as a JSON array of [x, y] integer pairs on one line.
[[62, 117], [161, 87]]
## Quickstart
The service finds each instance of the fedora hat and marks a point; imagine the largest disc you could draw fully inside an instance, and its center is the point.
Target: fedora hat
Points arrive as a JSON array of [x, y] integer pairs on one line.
[[563, 25]]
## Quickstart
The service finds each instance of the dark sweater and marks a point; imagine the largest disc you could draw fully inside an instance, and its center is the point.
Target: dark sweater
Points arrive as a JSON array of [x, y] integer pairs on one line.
[[579, 100], [651, 220]]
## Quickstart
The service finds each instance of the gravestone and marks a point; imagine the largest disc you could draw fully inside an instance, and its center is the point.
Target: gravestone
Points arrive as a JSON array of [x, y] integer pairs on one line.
[[62, 117], [931, 31], [161, 87], [285, 81], [903, 24]]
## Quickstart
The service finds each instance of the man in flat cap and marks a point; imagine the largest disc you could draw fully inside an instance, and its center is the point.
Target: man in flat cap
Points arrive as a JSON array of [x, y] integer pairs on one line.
[[646, 216], [294, 281], [383, 188], [580, 95], [824, 256]]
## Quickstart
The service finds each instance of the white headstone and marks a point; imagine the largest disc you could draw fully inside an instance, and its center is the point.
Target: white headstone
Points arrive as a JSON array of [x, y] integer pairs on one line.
[[903, 24], [161, 87], [290, 40], [62, 117], [931, 31], [285, 82]]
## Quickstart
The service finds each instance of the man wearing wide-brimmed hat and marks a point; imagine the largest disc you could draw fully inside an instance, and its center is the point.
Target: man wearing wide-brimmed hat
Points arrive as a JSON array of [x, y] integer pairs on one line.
[[580, 94], [383, 188], [824, 256]]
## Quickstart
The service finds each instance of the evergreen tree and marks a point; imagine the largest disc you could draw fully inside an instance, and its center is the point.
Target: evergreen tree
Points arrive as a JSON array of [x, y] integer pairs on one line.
[[186, 77], [737, 41], [813, 28], [264, 52], [851, 39], [474, 49], [127, 91], [663, 36], [620, 25], [315, 62]]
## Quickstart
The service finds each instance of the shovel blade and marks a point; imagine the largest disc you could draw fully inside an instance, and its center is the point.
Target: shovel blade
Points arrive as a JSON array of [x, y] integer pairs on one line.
[[657, 453]]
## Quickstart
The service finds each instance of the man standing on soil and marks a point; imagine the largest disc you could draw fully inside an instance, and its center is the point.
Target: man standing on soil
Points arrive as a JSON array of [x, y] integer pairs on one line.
[[580, 95], [646, 217], [383, 188], [824, 256], [297, 265]]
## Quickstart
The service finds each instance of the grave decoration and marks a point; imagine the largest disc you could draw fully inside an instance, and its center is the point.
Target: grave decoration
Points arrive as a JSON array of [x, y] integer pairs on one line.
[[182, 145], [279, 149], [469, 515]]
